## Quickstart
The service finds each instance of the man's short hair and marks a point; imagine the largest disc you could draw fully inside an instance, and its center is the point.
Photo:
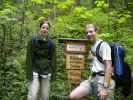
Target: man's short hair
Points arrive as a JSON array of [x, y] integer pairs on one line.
[[93, 26]]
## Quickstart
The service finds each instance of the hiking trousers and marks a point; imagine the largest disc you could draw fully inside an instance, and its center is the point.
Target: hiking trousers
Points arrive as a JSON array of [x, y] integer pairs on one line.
[[39, 87]]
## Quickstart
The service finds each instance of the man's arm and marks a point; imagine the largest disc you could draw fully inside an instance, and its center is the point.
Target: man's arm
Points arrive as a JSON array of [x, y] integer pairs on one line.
[[108, 72], [107, 61]]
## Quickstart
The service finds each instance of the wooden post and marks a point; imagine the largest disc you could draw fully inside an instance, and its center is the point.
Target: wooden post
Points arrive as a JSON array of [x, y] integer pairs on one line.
[[75, 52]]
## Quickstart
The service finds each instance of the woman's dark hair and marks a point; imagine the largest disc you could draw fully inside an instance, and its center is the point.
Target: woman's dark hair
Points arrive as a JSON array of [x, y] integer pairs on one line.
[[47, 22]]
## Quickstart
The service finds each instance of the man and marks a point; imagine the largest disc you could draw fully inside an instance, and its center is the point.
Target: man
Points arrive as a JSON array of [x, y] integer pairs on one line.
[[41, 63], [100, 82]]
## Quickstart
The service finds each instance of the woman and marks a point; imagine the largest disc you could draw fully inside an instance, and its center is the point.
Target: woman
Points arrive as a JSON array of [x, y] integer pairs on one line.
[[41, 63]]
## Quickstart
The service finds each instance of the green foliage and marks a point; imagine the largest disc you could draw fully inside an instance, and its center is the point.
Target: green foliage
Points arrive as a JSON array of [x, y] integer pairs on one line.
[[37, 1], [66, 5], [101, 4], [20, 21]]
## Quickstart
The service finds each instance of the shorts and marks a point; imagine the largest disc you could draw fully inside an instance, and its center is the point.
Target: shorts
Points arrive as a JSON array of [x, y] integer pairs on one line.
[[95, 84]]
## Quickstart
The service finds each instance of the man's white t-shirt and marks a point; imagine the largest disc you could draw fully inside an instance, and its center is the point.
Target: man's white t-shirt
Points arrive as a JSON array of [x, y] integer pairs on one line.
[[104, 52]]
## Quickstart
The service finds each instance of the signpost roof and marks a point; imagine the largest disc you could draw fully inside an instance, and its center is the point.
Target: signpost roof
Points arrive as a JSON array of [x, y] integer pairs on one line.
[[63, 40]]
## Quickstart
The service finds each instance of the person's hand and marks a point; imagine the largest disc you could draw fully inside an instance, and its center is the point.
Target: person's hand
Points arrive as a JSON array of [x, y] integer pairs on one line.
[[103, 93]]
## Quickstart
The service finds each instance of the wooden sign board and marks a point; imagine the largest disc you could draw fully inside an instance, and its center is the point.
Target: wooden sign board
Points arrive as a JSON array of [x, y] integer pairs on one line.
[[75, 45], [74, 64], [75, 51], [72, 47], [75, 61], [74, 76]]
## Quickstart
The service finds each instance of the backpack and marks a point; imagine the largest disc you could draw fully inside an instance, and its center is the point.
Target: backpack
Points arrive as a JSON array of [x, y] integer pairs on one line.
[[35, 41], [122, 71]]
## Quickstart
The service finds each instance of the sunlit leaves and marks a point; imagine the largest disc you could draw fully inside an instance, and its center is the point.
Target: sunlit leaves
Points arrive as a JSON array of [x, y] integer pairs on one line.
[[41, 18], [46, 12], [123, 18], [79, 10], [88, 14], [120, 17], [65, 5], [101, 4], [5, 16], [29, 14], [37, 1]]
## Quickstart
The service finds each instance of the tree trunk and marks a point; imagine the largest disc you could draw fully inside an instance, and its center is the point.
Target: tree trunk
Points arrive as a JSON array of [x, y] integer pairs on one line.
[[110, 2], [78, 2], [125, 3]]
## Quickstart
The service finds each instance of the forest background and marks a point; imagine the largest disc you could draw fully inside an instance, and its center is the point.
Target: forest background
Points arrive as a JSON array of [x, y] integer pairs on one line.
[[19, 20]]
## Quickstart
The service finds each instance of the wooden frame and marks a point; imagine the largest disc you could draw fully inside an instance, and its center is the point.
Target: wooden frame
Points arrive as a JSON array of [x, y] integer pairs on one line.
[[75, 51]]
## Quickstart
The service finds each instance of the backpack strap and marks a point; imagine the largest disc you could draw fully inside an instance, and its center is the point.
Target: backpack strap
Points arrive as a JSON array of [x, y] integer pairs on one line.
[[34, 40], [97, 52]]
